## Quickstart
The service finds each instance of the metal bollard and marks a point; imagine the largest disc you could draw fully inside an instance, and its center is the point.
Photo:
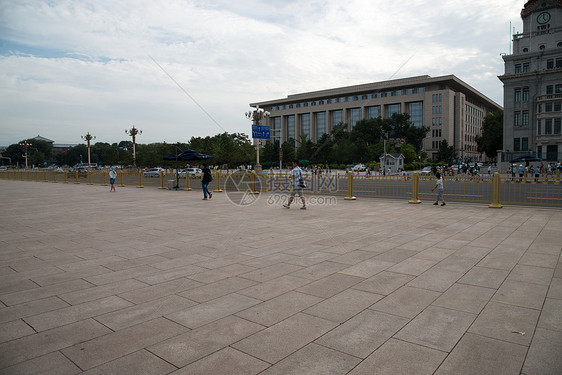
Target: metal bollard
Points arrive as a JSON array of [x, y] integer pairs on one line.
[[557, 182], [218, 182], [54, 177], [89, 177], [187, 187], [45, 179], [36, 176], [350, 196], [415, 189], [65, 177], [140, 180], [76, 177], [254, 190], [496, 192], [121, 184], [161, 180], [104, 179]]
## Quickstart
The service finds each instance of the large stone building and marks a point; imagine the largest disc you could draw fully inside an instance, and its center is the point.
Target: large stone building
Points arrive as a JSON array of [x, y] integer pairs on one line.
[[453, 110], [533, 85]]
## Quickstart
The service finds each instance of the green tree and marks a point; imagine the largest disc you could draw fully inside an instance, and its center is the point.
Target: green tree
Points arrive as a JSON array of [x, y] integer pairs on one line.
[[491, 139], [446, 153]]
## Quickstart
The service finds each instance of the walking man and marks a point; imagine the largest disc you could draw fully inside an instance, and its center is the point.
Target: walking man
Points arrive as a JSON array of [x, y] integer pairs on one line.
[[206, 178], [297, 185], [439, 187]]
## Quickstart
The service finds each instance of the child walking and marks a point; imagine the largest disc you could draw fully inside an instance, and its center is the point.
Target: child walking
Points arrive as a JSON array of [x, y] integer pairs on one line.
[[439, 187]]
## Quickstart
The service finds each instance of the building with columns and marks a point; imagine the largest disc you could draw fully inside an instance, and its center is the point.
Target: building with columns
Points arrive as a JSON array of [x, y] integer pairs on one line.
[[453, 110], [533, 85]]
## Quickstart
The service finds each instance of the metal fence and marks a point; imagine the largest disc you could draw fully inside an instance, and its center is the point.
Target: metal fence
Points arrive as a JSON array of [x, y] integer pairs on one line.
[[493, 190]]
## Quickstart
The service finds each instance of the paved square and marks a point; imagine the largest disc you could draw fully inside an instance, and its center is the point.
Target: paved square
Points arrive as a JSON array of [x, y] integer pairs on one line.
[[157, 282]]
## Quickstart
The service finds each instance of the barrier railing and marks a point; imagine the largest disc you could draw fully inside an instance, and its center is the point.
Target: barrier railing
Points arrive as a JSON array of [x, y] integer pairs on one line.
[[495, 191]]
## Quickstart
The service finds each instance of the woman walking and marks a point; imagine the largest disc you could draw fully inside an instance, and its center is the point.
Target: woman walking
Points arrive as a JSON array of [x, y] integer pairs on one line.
[[206, 178]]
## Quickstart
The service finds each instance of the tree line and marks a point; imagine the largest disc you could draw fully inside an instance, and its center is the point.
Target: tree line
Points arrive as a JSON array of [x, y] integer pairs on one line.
[[362, 144]]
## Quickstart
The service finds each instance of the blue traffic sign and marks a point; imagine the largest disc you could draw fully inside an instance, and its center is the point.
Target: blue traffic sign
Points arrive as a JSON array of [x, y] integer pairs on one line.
[[261, 132]]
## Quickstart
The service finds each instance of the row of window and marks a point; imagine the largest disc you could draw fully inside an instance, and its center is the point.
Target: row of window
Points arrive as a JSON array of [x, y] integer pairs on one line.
[[521, 118], [415, 110], [550, 107], [521, 94], [554, 63], [437, 121], [343, 99], [436, 98], [520, 144], [551, 126], [436, 109], [436, 133]]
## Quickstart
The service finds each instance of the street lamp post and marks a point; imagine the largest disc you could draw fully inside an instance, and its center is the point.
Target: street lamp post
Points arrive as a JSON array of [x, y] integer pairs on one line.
[[88, 137], [133, 133], [25, 145], [257, 115]]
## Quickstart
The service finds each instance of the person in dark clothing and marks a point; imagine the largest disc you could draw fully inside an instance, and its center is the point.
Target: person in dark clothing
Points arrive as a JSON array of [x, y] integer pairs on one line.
[[206, 178]]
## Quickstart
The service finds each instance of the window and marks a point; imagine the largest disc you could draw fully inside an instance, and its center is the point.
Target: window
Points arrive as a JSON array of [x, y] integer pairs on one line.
[[415, 110], [548, 107], [291, 127], [558, 89], [409, 91], [305, 125], [354, 116], [420, 90], [517, 119], [517, 95], [516, 144], [276, 125], [557, 123], [557, 107], [388, 93], [399, 92], [539, 127], [550, 64], [525, 118], [525, 67], [374, 112], [392, 109], [525, 94], [552, 153], [549, 90], [524, 144], [548, 126], [320, 124], [337, 117], [517, 68]]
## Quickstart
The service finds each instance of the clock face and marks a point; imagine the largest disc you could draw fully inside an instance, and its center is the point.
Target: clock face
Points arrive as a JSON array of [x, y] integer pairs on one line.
[[543, 17]]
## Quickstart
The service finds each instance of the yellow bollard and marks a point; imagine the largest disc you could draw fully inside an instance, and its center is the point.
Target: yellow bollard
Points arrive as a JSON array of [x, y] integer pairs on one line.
[[45, 179], [140, 180], [104, 178], [218, 182], [187, 187], [415, 189], [90, 177], [76, 177], [65, 177], [36, 176], [557, 182], [350, 196], [496, 192], [161, 180], [54, 176], [254, 177], [121, 184]]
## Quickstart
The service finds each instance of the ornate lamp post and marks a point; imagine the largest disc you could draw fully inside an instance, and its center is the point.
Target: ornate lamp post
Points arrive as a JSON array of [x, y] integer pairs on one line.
[[257, 115], [88, 137], [133, 133], [25, 145]]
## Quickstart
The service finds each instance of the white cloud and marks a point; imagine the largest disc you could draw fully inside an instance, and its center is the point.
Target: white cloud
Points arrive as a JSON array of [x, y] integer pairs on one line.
[[67, 67]]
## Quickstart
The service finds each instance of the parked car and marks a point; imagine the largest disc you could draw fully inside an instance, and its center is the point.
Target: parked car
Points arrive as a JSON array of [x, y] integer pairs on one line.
[[426, 171], [153, 172], [193, 172], [359, 168]]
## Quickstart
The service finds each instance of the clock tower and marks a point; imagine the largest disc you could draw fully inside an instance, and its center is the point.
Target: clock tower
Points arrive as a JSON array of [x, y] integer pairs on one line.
[[533, 85]]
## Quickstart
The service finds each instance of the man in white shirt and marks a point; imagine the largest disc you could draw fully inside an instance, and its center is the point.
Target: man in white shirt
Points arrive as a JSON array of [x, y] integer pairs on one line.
[[298, 185]]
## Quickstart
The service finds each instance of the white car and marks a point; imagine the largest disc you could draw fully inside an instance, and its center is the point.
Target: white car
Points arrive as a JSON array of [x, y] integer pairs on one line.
[[359, 168], [193, 172], [153, 172]]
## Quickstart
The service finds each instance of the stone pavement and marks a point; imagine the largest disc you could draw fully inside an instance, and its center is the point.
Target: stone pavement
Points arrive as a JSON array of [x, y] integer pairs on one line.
[[148, 281]]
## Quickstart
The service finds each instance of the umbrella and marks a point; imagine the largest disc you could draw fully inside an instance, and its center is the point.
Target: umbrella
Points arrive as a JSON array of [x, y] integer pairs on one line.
[[186, 155], [525, 158]]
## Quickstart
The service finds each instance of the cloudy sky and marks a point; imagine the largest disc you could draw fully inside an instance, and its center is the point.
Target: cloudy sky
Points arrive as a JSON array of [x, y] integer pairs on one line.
[[182, 68]]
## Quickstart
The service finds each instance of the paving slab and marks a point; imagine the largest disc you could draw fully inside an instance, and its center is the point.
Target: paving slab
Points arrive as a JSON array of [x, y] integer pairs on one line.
[[125, 284]]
